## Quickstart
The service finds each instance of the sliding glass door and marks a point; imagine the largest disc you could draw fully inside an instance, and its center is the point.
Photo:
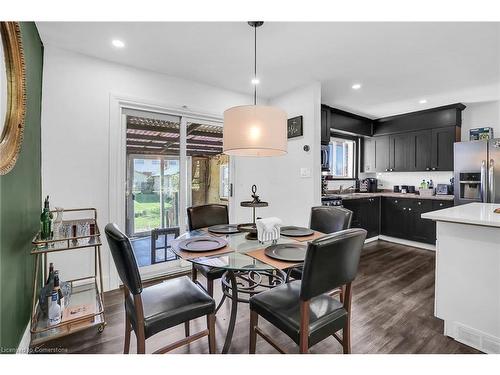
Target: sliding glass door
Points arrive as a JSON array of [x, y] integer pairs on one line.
[[173, 162]]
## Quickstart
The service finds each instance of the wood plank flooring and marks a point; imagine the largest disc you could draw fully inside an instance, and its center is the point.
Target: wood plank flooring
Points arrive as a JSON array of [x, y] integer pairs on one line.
[[393, 303]]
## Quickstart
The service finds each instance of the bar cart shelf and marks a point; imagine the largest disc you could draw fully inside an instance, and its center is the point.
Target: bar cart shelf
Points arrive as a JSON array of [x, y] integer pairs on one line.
[[86, 292]]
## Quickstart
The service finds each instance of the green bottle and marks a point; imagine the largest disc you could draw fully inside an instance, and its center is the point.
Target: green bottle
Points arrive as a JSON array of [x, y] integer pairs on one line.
[[46, 221]]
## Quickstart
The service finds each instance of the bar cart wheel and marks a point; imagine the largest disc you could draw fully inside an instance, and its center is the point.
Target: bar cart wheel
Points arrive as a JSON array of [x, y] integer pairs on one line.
[[100, 329]]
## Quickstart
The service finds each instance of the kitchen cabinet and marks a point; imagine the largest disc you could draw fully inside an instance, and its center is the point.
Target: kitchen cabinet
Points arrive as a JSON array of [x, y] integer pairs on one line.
[[381, 154], [421, 230], [392, 217], [424, 150], [401, 218], [442, 148], [398, 152], [368, 155], [419, 150], [325, 125], [365, 214]]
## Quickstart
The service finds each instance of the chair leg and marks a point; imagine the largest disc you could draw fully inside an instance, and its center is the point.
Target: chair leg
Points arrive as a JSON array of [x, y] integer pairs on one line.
[[128, 329], [304, 344], [141, 345], [254, 319], [186, 328], [194, 273], [346, 336], [211, 333]]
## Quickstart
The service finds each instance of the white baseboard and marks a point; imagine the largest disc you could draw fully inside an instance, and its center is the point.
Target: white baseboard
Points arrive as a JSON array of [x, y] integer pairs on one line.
[[24, 344], [371, 239], [408, 242]]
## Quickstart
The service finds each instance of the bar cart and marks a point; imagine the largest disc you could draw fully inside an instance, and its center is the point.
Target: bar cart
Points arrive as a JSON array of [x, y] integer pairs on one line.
[[86, 293]]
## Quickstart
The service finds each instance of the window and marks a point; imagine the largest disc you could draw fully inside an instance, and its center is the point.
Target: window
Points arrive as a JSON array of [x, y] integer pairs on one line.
[[224, 181], [342, 158]]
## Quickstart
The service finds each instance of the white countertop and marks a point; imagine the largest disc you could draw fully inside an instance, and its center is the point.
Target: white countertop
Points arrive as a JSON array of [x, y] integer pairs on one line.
[[472, 213]]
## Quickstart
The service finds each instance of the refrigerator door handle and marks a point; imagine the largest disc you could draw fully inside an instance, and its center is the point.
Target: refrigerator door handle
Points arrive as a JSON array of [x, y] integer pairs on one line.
[[484, 197], [491, 181]]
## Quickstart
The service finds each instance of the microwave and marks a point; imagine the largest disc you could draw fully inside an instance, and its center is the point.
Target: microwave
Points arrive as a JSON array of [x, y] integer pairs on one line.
[[325, 160]]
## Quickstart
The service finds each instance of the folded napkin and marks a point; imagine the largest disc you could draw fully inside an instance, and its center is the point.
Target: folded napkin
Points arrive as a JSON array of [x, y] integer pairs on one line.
[[268, 229]]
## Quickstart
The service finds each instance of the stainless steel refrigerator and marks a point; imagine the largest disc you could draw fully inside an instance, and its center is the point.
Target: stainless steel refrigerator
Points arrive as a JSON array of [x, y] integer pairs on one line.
[[477, 171]]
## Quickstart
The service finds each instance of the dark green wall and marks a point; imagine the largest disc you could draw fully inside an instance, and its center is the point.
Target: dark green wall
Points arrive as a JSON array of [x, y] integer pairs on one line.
[[20, 204]]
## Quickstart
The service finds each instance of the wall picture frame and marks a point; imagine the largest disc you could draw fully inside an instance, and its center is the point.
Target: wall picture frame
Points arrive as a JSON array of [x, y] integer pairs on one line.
[[295, 128]]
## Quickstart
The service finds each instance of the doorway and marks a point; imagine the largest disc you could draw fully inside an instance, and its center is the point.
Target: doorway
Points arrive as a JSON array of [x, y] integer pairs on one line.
[[173, 162]]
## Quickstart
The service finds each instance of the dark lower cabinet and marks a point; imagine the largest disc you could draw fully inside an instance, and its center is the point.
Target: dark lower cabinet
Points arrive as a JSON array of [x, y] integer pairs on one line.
[[401, 218], [365, 214]]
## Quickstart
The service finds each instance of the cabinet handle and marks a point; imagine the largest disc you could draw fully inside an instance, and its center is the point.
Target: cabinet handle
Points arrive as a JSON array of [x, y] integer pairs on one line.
[[427, 169], [395, 201], [386, 170], [433, 169], [404, 208], [391, 169], [440, 205], [419, 203], [409, 209]]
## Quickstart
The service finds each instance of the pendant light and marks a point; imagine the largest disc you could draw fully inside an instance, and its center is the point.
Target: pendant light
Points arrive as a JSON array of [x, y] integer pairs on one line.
[[255, 130]]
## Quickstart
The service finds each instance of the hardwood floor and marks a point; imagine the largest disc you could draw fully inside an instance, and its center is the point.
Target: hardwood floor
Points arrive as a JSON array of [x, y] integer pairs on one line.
[[393, 302]]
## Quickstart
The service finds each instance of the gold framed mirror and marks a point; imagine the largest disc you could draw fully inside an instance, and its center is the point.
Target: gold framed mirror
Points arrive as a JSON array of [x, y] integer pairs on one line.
[[12, 95]]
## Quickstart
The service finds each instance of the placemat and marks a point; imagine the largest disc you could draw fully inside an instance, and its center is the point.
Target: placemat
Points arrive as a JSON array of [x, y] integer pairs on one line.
[[279, 264], [186, 255], [312, 237]]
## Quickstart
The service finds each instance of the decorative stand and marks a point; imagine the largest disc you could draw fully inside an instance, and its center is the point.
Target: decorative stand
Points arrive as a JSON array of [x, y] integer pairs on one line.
[[251, 228], [85, 291]]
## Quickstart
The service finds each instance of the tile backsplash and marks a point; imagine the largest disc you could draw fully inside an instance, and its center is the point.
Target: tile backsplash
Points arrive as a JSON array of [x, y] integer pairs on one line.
[[388, 180]]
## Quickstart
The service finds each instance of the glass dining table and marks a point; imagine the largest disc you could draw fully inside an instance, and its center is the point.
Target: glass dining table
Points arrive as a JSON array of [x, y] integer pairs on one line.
[[244, 276]]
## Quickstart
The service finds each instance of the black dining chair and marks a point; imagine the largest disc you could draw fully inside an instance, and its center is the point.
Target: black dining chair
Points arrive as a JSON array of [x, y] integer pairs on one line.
[[156, 308], [201, 217], [304, 309], [325, 219]]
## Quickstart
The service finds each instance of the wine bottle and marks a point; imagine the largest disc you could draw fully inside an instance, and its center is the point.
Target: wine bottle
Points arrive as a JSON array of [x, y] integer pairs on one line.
[[50, 277], [46, 221], [57, 288]]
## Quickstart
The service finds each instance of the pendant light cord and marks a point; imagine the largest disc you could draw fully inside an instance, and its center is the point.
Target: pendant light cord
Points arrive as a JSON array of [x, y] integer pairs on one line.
[[255, 65]]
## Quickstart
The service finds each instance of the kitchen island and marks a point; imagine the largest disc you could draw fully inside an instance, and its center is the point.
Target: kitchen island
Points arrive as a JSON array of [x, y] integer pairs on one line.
[[467, 285]]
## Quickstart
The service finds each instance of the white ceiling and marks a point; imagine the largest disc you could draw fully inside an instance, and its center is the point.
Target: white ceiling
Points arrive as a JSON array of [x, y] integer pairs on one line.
[[397, 63]]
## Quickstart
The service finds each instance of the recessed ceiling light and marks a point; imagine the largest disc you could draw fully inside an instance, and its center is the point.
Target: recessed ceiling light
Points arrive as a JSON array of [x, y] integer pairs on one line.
[[118, 43], [255, 81], [422, 101], [356, 86]]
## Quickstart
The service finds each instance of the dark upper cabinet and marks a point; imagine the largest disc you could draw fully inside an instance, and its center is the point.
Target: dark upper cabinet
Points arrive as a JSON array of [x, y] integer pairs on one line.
[[325, 125], [381, 145], [333, 119], [398, 152], [419, 150], [442, 148], [439, 117]]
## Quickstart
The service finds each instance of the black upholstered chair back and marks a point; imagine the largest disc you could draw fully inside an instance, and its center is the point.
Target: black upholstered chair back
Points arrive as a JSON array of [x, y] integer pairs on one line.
[[126, 265], [331, 261], [207, 215], [329, 219]]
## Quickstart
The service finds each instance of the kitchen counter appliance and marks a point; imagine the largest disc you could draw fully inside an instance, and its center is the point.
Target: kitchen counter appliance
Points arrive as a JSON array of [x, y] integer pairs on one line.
[[368, 185], [477, 175]]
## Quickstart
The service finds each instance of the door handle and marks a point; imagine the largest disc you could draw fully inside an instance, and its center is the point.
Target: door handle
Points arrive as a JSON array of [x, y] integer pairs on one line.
[[483, 192], [491, 181]]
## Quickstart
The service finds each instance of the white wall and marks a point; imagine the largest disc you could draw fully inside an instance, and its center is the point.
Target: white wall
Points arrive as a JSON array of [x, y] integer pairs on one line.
[[76, 127], [278, 179], [479, 115]]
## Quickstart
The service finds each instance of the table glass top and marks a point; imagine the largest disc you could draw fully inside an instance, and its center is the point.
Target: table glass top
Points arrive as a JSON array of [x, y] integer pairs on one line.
[[237, 260]]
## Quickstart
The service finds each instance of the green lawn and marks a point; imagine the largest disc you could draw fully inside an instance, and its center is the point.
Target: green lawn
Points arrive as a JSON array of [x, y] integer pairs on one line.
[[147, 212]]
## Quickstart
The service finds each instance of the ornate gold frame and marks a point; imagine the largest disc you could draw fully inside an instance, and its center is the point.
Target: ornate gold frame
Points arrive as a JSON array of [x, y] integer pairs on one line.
[[12, 134]]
